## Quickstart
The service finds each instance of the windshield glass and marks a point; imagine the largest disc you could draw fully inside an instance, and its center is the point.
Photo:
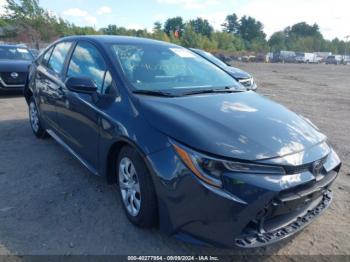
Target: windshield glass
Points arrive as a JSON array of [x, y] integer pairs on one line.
[[168, 68], [15, 53], [211, 58]]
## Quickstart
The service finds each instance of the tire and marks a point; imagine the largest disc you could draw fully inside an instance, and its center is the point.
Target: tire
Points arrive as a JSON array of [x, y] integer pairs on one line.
[[136, 189], [34, 120]]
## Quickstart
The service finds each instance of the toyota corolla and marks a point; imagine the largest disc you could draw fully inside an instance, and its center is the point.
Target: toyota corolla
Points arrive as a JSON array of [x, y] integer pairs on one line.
[[188, 147]]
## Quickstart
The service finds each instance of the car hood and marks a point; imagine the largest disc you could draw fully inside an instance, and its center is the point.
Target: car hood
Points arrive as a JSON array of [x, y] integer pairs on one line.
[[241, 125], [237, 73], [14, 65]]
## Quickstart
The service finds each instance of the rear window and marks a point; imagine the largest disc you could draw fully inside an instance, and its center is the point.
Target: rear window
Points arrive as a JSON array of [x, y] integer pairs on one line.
[[46, 57], [58, 56]]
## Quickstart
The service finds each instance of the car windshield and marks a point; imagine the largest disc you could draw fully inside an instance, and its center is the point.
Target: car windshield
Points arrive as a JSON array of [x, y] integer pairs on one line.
[[169, 68], [211, 58], [15, 53]]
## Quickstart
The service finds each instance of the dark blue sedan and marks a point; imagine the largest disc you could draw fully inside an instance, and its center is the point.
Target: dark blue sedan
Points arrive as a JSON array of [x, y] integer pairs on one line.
[[188, 147]]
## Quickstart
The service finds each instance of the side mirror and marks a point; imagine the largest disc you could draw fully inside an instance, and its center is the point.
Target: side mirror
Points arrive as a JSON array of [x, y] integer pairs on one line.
[[81, 85]]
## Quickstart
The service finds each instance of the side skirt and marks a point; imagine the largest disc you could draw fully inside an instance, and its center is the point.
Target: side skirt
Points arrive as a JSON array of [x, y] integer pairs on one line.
[[70, 150]]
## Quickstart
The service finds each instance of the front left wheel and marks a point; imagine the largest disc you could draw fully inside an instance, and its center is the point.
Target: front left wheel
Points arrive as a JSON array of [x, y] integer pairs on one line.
[[136, 188], [34, 120]]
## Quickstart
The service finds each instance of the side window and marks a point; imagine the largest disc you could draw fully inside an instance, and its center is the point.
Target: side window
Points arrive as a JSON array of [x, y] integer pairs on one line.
[[87, 62], [46, 57], [58, 56]]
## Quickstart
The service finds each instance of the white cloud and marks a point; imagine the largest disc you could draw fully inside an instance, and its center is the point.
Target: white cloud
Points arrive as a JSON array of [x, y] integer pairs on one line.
[[90, 20], [81, 15], [75, 12], [191, 4], [103, 10]]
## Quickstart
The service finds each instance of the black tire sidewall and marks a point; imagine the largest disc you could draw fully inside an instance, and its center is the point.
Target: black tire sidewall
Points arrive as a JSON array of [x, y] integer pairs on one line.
[[147, 216], [40, 133]]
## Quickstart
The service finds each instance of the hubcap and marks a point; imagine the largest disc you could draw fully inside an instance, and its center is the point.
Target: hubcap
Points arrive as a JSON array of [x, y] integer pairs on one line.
[[129, 186], [34, 119]]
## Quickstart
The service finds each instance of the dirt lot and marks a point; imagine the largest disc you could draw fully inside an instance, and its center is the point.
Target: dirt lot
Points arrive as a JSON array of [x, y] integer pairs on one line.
[[50, 204]]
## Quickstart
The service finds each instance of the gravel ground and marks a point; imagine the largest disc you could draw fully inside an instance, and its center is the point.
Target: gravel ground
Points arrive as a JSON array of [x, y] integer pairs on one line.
[[50, 204]]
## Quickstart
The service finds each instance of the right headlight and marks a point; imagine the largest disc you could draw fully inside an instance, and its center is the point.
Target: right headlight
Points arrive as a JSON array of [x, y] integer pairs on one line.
[[211, 170]]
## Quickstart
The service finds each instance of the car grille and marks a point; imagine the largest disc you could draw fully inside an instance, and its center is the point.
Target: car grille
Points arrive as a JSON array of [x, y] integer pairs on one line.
[[9, 80], [290, 170], [264, 238], [289, 211]]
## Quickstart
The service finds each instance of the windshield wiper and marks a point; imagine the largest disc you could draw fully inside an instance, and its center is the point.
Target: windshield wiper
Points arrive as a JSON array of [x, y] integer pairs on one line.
[[153, 93], [212, 90]]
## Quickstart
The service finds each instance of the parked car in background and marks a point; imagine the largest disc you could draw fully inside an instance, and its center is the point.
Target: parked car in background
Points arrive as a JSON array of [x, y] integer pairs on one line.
[[241, 76], [322, 56], [248, 58], [306, 58], [183, 142], [334, 59], [14, 66], [284, 57], [346, 60]]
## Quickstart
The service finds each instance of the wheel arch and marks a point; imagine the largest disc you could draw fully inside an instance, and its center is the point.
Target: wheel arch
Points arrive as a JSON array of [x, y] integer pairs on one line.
[[113, 152], [27, 94]]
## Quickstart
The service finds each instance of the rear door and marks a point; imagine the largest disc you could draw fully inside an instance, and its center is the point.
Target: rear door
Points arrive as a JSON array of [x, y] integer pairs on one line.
[[49, 80], [78, 113]]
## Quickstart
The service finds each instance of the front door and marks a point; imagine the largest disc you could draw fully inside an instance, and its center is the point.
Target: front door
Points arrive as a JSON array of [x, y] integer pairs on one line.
[[78, 113]]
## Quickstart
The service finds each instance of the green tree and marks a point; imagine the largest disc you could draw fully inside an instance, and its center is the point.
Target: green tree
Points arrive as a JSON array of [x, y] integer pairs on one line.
[[157, 26], [277, 41], [174, 24], [227, 41], [110, 30], [303, 29], [189, 37], [201, 26], [29, 19], [250, 29], [231, 24]]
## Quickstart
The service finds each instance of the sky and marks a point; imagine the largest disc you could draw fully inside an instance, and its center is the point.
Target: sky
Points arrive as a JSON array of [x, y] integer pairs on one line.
[[333, 17]]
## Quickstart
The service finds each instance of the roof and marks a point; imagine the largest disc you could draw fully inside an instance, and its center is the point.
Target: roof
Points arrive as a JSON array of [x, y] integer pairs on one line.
[[114, 39]]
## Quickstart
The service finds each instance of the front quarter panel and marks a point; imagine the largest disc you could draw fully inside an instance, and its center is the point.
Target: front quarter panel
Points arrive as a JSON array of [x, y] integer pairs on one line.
[[121, 121]]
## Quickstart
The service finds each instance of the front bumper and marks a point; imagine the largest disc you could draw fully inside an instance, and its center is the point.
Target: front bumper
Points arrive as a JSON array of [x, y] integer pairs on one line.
[[263, 232], [249, 211]]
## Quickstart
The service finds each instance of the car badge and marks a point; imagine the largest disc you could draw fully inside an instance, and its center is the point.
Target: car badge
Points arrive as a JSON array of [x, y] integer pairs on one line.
[[14, 75], [316, 168]]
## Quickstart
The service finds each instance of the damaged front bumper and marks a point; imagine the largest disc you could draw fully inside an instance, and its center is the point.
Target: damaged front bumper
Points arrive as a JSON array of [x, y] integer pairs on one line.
[[261, 236], [250, 210]]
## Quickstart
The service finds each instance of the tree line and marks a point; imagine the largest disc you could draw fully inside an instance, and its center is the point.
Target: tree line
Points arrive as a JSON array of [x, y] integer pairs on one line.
[[27, 21]]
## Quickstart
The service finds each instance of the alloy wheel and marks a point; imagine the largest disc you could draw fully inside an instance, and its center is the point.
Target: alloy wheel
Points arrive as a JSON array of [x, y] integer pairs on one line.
[[129, 186], [34, 117]]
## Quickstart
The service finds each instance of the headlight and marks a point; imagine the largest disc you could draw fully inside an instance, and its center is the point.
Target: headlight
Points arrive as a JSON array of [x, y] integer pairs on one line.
[[211, 170]]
